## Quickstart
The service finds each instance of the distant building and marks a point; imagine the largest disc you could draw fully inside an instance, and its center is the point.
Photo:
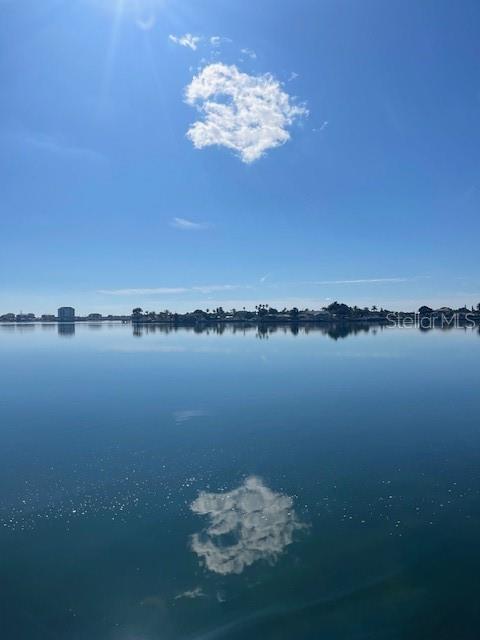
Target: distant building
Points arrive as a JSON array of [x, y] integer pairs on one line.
[[94, 316], [47, 317], [66, 314], [8, 317], [25, 317]]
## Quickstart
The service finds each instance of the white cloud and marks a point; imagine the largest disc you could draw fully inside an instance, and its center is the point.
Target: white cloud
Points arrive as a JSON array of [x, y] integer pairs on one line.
[[216, 41], [141, 292], [249, 52], [248, 114], [212, 288], [323, 126], [208, 288], [188, 225], [364, 281], [257, 522], [187, 40], [52, 144]]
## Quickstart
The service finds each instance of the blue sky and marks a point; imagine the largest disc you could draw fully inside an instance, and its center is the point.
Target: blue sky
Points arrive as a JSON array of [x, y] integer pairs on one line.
[[173, 154]]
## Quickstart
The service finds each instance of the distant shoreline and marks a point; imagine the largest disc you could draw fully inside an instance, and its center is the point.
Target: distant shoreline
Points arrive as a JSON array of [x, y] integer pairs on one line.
[[404, 319], [263, 314]]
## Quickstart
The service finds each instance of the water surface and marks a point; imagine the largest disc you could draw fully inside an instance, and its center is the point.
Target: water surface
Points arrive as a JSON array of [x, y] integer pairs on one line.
[[238, 484]]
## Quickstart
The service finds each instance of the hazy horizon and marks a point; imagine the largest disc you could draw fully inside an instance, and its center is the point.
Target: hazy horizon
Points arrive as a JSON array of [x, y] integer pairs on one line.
[[184, 307]]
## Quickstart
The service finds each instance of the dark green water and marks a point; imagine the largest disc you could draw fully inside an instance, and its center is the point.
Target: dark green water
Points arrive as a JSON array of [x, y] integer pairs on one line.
[[191, 485]]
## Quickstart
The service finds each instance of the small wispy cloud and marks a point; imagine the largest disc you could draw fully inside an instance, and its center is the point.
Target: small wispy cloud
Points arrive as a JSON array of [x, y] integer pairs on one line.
[[364, 281], [52, 144], [188, 225], [215, 288], [187, 40], [216, 41], [323, 126], [245, 113], [249, 52], [141, 291]]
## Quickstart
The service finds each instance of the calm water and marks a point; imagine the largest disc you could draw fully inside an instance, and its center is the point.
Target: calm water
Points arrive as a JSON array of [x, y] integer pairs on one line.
[[236, 485]]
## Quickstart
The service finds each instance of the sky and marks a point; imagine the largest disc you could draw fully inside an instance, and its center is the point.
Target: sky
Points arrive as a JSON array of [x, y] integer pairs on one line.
[[179, 155]]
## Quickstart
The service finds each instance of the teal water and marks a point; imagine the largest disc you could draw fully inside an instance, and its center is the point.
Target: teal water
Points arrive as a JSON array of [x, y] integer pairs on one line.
[[202, 485]]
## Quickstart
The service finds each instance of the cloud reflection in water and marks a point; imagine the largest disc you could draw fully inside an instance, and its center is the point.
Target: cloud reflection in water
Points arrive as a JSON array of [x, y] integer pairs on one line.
[[247, 524]]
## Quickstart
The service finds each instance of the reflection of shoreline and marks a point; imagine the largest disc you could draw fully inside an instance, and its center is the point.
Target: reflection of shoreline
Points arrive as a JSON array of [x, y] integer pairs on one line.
[[66, 329], [333, 330]]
